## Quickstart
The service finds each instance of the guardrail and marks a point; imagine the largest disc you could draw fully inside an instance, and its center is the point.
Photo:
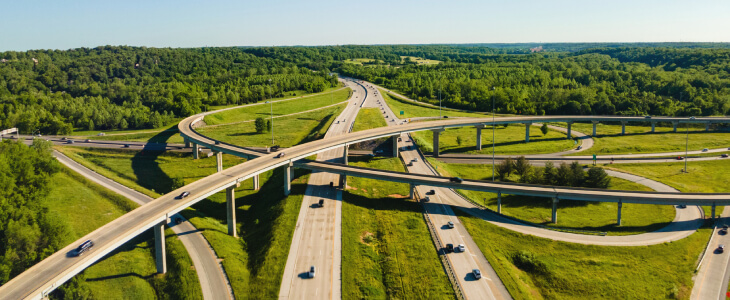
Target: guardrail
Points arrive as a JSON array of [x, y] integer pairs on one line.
[[707, 246], [444, 260]]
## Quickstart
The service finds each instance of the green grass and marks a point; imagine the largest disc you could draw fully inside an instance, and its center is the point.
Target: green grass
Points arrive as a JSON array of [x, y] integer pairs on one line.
[[386, 247], [368, 118], [574, 271], [288, 131], [279, 108], [510, 140], [79, 206], [420, 61], [639, 139], [412, 109], [703, 176], [266, 219], [583, 215]]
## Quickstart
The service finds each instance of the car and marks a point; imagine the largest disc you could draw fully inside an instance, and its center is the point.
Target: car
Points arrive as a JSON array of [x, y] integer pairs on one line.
[[450, 224], [127, 145], [399, 139], [274, 148], [69, 142], [722, 231], [183, 195], [280, 155], [432, 192], [682, 206], [338, 122], [680, 158], [85, 246], [692, 118], [449, 248], [64, 138], [311, 272], [705, 150], [178, 220], [446, 117], [392, 120], [415, 159], [427, 199], [87, 140], [456, 179], [321, 202], [410, 164], [579, 147], [461, 248], [721, 248], [100, 134], [724, 227], [724, 155], [647, 117], [477, 274]]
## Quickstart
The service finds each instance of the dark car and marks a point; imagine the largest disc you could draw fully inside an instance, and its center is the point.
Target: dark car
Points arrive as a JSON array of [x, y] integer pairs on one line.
[[69, 142], [446, 117], [680, 158], [477, 273], [274, 148], [431, 192], [682, 206], [449, 248], [723, 155], [183, 195], [456, 179], [321, 202], [127, 145], [647, 117], [280, 155], [311, 272], [85, 246], [721, 248]]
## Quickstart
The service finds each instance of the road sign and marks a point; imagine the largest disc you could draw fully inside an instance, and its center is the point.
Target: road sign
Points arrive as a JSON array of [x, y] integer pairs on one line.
[[402, 112], [594, 157]]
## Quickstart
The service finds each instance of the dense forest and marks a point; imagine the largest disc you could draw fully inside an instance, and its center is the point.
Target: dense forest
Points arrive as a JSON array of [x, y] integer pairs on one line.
[[128, 87], [27, 233], [55, 92]]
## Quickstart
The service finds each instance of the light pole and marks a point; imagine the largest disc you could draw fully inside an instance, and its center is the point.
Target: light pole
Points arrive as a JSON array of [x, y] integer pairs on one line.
[[440, 116], [493, 126], [686, 147], [271, 102]]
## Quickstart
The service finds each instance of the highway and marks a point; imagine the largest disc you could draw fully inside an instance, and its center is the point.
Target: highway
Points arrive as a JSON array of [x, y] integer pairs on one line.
[[317, 238], [56, 269]]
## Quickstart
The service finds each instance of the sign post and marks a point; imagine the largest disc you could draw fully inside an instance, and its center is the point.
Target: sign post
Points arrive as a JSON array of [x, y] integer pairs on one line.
[[594, 159]]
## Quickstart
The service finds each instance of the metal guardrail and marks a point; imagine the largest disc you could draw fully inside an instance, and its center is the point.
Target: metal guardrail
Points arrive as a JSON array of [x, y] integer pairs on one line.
[[444, 260], [707, 246]]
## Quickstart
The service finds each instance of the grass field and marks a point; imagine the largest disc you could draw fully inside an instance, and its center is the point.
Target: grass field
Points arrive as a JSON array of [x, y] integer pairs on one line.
[[420, 61], [549, 269], [266, 219], [368, 118], [279, 108], [639, 139], [80, 206], [386, 247], [288, 131], [413, 110], [510, 140], [583, 215]]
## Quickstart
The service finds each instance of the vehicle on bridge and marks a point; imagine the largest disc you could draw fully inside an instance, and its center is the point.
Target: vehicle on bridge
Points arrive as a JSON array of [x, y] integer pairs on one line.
[[183, 195], [85, 246]]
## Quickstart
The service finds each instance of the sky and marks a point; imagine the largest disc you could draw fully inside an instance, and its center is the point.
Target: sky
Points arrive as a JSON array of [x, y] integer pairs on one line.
[[46, 24]]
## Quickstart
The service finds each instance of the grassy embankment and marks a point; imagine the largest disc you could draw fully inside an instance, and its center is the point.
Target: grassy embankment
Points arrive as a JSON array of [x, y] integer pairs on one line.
[[387, 251], [254, 262], [702, 176], [288, 131], [583, 215], [413, 109], [557, 270], [639, 139], [368, 118], [81, 206]]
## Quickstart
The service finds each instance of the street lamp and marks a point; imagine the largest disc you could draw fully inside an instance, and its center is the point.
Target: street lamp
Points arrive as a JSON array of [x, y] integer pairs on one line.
[[440, 116], [686, 146], [272, 121], [493, 126]]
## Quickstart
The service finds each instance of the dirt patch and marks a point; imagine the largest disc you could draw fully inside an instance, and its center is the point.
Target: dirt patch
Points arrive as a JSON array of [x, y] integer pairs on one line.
[[367, 237], [399, 196]]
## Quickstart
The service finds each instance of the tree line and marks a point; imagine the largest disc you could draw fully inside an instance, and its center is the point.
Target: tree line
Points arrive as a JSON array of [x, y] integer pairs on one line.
[[573, 174]]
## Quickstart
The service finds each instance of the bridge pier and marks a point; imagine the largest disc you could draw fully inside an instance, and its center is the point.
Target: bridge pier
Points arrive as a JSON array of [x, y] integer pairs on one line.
[[479, 136], [287, 179], [623, 127], [187, 143], [160, 255], [713, 210], [256, 182], [499, 202], [436, 133], [343, 181], [594, 128], [527, 132], [231, 210], [196, 151], [413, 192], [395, 145], [675, 125], [555, 211], [346, 152], [219, 161], [620, 205], [707, 126], [570, 136], [653, 124]]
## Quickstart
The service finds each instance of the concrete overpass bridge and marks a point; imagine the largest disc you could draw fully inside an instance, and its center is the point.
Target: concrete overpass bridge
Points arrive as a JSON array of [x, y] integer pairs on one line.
[[47, 275]]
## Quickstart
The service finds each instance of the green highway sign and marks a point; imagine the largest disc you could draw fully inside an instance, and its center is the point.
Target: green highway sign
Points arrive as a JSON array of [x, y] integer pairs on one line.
[[402, 112]]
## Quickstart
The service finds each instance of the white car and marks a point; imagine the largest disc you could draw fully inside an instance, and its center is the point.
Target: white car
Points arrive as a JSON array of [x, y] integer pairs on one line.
[[461, 248], [311, 272]]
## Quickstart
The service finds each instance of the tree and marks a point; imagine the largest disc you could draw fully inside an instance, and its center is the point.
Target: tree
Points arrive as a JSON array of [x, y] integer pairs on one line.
[[577, 176], [177, 183], [458, 140], [597, 178], [90, 125], [505, 168], [549, 175], [260, 124], [522, 166], [563, 175], [544, 128]]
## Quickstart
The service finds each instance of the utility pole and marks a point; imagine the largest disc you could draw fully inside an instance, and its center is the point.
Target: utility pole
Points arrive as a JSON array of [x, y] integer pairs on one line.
[[493, 126], [440, 116], [271, 101]]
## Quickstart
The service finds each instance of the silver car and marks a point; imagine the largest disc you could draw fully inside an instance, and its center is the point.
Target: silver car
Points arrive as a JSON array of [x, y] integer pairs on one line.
[[477, 273]]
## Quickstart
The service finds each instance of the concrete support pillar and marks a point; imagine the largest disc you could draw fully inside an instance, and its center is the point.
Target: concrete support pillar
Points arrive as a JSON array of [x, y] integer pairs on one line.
[[287, 179], [395, 146], [479, 136], [713, 211], [499, 202], [413, 192], [345, 154], [219, 161], [527, 132], [618, 219], [160, 257], [594, 128], [196, 152], [231, 211], [256, 182], [555, 210], [436, 133], [187, 143], [675, 125], [570, 124], [343, 180], [707, 126], [623, 127], [653, 125]]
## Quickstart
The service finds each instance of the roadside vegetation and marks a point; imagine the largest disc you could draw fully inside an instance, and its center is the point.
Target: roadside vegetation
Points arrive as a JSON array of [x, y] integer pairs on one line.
[[368, 118], [413, 109], [538, 268], [386, 247], [581, 215]]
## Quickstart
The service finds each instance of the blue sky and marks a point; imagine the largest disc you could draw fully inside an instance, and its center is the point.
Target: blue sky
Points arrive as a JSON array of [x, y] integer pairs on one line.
[[45, 24]]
